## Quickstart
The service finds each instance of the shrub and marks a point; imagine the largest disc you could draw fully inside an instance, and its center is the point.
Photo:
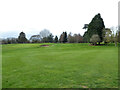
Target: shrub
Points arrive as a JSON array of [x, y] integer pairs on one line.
[[94, 39]]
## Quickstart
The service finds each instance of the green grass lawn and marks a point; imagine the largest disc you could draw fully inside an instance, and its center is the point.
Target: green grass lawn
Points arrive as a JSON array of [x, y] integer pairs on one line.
[[59, 66]]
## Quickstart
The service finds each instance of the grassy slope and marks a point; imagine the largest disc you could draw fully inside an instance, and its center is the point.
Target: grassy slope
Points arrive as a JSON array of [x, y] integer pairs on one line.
[[60, 65]]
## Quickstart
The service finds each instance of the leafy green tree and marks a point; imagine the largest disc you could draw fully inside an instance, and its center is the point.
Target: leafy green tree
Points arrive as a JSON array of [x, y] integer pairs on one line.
[[112, 38], [107, 35], [22, 38], [96, 26]]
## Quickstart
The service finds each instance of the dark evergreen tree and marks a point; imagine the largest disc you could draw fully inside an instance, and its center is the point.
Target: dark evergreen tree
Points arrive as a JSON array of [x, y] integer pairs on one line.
[[56, 39], [85, 26], [65, 37], [22, 38], [44, 40], [50, 38], [85, 37], [96, 26]]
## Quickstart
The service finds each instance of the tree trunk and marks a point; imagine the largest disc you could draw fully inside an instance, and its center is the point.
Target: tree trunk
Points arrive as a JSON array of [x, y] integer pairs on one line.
[[98, 43]]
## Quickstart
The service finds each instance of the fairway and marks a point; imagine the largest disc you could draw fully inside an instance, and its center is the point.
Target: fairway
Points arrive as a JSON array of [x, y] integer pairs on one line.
[[77, 65]]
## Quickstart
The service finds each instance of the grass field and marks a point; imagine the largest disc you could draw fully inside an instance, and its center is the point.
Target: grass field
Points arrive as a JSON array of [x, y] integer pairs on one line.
[[59, 66]]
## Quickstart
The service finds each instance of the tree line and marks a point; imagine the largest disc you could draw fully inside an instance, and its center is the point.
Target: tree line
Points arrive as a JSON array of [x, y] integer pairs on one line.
[[95, 34], [45, 37]]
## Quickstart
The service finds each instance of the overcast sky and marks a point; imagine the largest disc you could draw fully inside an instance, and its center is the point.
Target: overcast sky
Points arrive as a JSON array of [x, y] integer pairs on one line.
[[32, 16]]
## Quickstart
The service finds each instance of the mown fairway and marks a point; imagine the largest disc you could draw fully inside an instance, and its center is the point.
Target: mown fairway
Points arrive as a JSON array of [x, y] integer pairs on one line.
[[59, 66]]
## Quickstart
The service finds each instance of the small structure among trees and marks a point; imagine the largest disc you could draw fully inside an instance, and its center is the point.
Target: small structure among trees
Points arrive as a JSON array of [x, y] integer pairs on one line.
[[35, 39]]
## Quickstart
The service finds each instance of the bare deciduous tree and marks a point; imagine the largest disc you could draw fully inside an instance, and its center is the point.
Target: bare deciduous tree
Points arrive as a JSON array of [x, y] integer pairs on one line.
[[44, 33]]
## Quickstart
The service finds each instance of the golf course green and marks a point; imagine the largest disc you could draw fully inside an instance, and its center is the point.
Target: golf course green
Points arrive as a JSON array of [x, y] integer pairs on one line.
[[77, 65]]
